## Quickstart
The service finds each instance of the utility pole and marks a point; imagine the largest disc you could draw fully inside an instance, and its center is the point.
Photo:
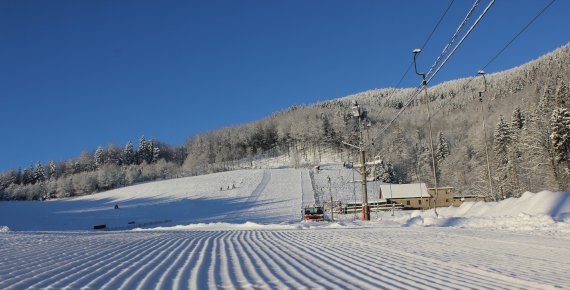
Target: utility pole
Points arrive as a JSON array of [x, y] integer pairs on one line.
[[482, 73], [330, 194], [424, 86], [361, 115], [365, 208], [419, 178]]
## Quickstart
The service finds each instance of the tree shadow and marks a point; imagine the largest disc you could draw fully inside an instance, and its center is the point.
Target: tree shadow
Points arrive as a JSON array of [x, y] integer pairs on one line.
[[83, 214]]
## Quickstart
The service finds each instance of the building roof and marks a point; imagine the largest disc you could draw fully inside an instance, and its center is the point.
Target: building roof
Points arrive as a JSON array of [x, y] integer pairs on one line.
[[412, 190]]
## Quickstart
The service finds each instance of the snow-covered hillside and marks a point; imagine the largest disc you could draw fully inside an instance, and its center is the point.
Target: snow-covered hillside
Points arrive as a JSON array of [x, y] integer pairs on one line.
[[242, 229], [261, 196]]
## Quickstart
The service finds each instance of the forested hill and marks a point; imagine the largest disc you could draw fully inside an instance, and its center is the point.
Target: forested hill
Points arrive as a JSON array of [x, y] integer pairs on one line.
[[528, 134]]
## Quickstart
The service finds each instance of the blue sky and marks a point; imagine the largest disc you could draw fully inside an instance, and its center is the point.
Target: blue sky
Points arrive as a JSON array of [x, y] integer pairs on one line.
[[75, 75]]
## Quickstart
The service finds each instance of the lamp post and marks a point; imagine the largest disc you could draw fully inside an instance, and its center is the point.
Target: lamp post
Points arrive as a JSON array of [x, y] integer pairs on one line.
[[424, 86], [482, 73]]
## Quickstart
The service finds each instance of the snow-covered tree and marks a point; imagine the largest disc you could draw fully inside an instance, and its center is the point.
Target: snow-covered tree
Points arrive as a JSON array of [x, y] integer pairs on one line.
[[442, 150], [39, 174], [99, 157], [563, 95], [155, 154], [52, 170], [86, 161], [145, 150], [501, 146], [113, 155], [28, 175], [128, 154], [517, 119], [560, 134]]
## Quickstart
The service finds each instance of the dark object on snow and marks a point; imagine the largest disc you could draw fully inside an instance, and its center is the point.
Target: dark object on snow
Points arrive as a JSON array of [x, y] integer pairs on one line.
[[131, 222], [315, 213], [100, 227], [116, 206]]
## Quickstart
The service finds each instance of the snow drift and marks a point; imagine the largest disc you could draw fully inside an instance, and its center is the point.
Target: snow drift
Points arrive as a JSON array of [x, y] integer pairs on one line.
[[543, 211]]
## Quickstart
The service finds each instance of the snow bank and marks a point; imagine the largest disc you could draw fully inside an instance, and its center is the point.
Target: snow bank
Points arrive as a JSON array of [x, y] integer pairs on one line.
[[544, 212], [4, 229]]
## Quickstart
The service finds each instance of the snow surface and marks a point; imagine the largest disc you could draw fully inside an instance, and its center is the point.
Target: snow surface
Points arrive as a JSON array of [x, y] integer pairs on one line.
[[189, 234], [261, 196]]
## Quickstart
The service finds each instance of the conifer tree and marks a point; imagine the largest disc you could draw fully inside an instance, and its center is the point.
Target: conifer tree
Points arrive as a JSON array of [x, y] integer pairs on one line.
[[155, 154], [129, 154], [52, 169], [501, 144], [144, 151], [99, 157], [39, 174], [28, 175], [86, 161], [517, 119], [442, 150], [562, 95], [560, 134]]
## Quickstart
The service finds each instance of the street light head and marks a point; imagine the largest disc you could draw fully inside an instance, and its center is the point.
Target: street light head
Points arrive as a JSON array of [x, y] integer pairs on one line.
[[416, 52], [481, 72]]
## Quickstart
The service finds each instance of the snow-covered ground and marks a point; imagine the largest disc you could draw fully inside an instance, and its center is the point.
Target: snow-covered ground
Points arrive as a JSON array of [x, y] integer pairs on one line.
[[196, 236], [261, 196]]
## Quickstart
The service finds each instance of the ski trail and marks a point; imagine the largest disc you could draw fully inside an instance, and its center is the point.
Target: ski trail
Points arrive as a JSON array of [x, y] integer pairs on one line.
[[241, 213], [308, 197]]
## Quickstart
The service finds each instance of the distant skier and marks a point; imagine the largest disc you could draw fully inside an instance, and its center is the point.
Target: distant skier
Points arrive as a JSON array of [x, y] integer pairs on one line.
[[116, 206]]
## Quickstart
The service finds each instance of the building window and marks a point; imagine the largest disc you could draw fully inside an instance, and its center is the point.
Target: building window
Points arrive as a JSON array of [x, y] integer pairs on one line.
[[420, 201], [408, 202], [447, 200]]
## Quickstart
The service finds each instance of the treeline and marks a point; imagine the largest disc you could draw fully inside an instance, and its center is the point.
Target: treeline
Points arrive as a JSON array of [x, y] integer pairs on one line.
[[529, 151], [104, 169]]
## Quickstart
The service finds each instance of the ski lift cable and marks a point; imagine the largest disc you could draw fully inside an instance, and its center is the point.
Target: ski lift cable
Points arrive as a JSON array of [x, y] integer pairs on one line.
[[454, 37], [412, 63], [461, 41], [440, 66], [504, 48]]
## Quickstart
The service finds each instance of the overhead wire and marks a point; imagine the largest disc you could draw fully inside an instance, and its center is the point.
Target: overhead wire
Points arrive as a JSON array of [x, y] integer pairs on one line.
[[411, 99], [518, 34], [390, 94], [461, 41], [505, 46], [454, 37]]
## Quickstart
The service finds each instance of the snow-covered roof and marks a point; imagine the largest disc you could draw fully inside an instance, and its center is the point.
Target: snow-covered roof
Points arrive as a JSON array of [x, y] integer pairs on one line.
[[412, 190]]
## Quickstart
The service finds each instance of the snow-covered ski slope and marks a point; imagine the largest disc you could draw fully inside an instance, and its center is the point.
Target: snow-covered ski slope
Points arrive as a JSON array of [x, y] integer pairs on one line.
[[250, 237], [260, 196]]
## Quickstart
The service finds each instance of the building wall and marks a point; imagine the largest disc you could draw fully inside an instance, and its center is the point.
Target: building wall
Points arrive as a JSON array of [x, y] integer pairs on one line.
[[445, 196], [413, 203]]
